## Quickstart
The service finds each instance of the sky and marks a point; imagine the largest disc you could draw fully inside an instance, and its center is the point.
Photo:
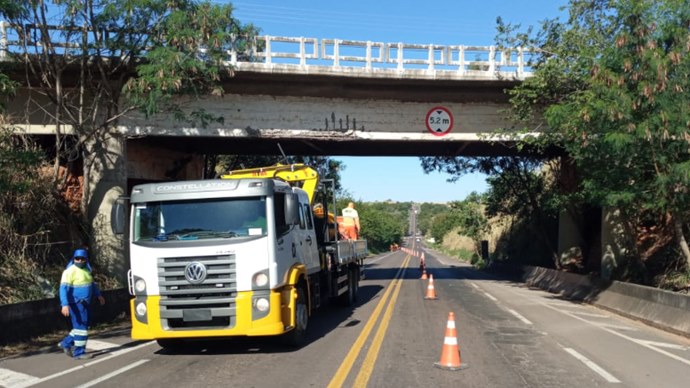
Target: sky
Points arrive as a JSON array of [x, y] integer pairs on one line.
[[456, 22]]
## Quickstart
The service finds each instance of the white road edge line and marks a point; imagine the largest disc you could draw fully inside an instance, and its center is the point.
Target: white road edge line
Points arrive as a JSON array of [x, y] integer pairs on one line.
[[655, 347], [379, 258], [10, 378], [640, 342], [100, 345], [606, 375], [112, 374], [490, 297], [520, 317], [98, 361]]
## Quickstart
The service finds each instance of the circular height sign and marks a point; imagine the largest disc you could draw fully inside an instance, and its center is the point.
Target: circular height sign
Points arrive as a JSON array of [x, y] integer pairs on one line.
[[439, 121]]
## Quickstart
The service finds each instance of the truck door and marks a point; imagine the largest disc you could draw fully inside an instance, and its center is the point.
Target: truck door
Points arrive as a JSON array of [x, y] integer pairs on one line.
[[307, 237]]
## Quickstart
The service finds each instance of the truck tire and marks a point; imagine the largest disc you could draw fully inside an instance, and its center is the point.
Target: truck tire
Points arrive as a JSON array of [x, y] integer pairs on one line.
[[298, 335], [350, 297]]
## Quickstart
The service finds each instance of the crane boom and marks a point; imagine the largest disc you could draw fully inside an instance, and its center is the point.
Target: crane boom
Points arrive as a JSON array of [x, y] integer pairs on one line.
[[296, 174]]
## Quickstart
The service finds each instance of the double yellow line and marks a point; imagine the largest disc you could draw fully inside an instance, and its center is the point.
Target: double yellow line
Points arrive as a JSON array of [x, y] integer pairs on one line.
[[368, 364]]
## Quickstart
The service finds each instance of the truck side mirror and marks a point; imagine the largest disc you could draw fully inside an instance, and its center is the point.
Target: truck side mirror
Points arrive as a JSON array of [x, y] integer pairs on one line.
[[118, 216], [291, 209]]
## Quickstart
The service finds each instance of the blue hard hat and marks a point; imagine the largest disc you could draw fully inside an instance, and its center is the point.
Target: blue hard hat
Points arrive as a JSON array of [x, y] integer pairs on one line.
[[81, 253]]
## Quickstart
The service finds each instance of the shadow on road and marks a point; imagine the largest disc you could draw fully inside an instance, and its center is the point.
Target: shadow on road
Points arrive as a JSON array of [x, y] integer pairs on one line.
[[321, 322]]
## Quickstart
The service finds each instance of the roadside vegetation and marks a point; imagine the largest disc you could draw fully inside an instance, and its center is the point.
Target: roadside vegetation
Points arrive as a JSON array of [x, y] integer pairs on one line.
[[609, 96]]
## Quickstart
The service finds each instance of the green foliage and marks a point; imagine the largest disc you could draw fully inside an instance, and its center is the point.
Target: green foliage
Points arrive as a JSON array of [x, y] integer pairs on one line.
[[188, 55], [379, 227], [11, 8], [516, 189], [124, 55], [466, 216], [382, 223], [442, 224], [472, 221], [611, 81], [426, 214]]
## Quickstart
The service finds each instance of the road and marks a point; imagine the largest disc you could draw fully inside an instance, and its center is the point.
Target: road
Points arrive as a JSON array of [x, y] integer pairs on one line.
[[508, 336]]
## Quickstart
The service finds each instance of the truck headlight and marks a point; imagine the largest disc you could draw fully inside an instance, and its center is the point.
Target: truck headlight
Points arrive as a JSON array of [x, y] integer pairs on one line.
[[140, 286], [141, 309], [260, 279], [261, 304]]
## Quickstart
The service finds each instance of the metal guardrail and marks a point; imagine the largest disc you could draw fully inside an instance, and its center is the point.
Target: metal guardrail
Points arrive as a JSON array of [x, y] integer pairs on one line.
[[331, 56]]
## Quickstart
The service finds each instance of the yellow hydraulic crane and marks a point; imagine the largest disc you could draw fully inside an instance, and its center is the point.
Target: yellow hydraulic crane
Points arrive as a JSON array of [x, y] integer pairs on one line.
[[296, 174]]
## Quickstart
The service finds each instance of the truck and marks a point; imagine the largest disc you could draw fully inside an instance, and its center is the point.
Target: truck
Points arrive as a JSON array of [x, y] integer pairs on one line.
[[253, 253]]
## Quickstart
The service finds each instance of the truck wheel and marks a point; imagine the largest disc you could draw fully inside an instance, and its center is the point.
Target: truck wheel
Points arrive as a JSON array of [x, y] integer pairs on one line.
[[355, 285], [350, 297], [297, 336]]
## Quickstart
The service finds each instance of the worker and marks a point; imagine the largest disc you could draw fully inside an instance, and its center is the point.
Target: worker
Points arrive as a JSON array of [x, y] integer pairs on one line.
[[351, 222], [76, 290]]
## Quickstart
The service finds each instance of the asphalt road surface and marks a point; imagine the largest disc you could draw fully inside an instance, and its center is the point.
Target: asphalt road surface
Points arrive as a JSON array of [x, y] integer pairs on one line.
[[507, 336]]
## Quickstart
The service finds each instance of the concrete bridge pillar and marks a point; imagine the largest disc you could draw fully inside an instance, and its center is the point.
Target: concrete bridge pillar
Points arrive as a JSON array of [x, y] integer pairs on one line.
[[615, 242], [105, 179], [570, 240]]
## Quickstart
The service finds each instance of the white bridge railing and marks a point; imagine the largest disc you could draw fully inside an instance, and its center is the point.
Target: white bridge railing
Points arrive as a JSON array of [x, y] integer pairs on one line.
[[278, 54]]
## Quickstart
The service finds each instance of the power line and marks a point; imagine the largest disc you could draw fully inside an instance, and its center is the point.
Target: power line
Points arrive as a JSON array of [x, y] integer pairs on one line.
[[360, 23]]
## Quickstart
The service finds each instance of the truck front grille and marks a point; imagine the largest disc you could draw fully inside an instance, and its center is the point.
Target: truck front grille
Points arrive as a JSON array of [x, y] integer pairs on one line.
[[209, 304]]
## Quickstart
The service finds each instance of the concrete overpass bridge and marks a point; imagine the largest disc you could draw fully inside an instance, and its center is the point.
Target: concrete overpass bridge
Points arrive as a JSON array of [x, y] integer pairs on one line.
[[336, 97], [311, 97]]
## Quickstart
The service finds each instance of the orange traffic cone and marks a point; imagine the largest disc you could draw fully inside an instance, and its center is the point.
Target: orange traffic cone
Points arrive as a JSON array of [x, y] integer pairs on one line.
[[423, 272], [430, 291], [450, 355]]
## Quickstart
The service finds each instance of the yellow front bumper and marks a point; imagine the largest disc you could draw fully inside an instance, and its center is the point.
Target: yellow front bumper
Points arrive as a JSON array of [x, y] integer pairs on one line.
[[275, 322]]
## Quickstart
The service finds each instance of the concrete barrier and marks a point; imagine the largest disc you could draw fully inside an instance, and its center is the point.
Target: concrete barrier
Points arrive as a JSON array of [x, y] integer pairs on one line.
[[22, 321], [666, 310]]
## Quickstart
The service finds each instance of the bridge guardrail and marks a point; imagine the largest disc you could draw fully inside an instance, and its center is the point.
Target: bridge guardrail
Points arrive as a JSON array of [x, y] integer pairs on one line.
[[331, 56]]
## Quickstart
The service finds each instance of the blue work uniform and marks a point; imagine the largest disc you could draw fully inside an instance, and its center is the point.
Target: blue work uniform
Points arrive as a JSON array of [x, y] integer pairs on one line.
[[76, 290]]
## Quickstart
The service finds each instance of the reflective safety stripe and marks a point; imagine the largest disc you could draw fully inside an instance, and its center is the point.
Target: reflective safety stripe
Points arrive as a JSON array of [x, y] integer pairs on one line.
[[79, 332], [450, 341], [451, 325], [75, 276], [79, 343]]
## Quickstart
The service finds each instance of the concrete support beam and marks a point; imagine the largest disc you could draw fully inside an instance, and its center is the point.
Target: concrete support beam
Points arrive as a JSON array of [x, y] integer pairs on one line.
[[105, 179]]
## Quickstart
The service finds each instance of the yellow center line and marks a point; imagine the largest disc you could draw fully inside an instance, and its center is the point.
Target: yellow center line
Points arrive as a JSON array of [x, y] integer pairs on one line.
[[346, 366], [373, 353]]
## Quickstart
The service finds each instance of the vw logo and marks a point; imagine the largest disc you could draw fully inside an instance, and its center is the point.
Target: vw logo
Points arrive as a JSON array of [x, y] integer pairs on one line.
[[195, 272]]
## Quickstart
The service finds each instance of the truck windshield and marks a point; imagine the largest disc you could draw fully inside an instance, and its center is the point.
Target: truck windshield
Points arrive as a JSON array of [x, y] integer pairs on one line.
[[199, 219]]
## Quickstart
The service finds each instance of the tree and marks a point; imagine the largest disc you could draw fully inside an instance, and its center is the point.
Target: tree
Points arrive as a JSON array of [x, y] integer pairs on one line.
[[427, 212], [471, 219], [612, 82], [443, 223], [111, 57], [379, 228], [517, 189]]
